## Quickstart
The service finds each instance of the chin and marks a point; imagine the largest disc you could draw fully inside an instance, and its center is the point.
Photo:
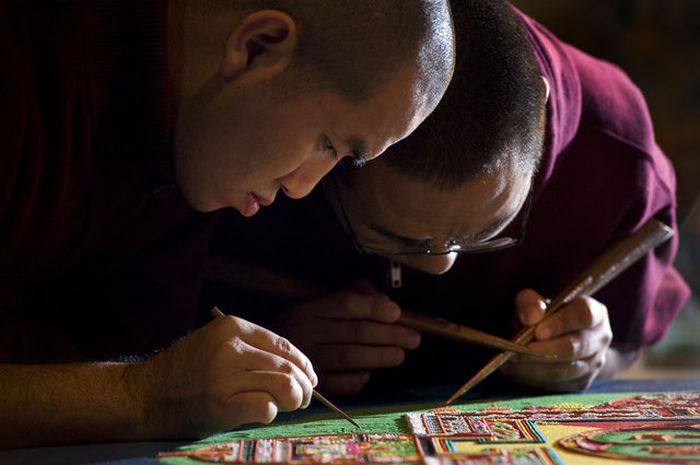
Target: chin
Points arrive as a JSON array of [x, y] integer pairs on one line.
[[200, 203], [429, 268]]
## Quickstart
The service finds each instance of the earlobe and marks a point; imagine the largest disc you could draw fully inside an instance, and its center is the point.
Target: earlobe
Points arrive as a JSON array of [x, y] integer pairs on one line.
[[265, 38]]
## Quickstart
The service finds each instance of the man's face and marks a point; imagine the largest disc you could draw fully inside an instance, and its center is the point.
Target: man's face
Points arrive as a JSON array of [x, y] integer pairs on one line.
[[387, 212], [243, 144]]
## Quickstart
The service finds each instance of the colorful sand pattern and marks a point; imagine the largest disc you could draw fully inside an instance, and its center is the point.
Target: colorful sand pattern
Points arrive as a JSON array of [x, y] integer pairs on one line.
[[649, 428]]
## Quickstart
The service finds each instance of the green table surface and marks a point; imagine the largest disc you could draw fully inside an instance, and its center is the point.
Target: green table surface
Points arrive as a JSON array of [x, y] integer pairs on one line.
[[380, 416]]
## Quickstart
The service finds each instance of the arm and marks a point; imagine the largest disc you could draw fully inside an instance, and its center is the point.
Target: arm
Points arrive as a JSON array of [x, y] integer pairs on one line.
[[228, 373], [58, 404]]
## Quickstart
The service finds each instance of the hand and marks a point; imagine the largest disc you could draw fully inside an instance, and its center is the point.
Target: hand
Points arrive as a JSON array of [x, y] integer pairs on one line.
[[348, 333], [579, 334], [228, 373]]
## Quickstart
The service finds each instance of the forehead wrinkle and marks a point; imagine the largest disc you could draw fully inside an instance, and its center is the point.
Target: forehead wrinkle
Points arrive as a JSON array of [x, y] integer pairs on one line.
[[416, 222], [498, 225]]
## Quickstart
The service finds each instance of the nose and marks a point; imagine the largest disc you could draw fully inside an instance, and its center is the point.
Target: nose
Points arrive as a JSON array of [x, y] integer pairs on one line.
[[300, 182], [433, 264]]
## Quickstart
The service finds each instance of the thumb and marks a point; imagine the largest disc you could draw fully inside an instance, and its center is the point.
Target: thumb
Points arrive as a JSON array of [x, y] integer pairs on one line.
[[530, 307]]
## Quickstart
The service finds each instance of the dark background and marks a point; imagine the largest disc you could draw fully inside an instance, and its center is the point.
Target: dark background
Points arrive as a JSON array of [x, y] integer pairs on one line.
[[657, 42]]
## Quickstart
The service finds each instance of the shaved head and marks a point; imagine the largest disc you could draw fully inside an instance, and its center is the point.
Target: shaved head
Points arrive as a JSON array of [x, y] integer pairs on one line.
[[355, 47]]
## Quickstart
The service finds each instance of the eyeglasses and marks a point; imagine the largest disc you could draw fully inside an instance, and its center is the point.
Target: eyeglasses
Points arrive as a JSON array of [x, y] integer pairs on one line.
[[452, 246]]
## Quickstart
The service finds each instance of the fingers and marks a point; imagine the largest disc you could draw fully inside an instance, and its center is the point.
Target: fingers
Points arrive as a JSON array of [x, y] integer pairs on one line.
[[343, 383], [348, 357], [581, 314], [530, 307], [579, 330], [573, 346], [247, 407], [578, 334], [351, 305], [285, 390], [267, 341], [289, 385], [368, 332]]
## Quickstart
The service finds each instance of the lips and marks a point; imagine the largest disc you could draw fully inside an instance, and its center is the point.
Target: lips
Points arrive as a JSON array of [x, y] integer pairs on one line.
[[253, 203]]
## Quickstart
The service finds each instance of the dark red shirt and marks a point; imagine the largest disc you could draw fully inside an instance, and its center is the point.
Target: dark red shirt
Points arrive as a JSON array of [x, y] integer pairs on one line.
[[602, 176], [96, 244]]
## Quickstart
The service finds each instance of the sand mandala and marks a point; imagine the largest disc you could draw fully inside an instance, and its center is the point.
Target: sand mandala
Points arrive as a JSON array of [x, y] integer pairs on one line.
[[649, 428]]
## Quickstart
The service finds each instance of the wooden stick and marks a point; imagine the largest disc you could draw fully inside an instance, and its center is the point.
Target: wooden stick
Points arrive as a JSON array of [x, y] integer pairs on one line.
[[317, 395], [617, 258], [216, 313], [261, 279]]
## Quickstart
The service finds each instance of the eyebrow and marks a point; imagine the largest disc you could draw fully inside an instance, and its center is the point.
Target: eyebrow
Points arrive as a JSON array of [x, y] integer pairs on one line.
[[495, 225]]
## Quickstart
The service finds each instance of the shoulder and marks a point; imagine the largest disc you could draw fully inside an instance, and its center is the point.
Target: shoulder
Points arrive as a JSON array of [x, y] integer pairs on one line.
[[612, 103]]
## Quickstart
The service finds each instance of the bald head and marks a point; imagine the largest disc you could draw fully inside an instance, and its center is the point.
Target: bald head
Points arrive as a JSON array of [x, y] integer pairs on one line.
[[493, 110], [355, 47]]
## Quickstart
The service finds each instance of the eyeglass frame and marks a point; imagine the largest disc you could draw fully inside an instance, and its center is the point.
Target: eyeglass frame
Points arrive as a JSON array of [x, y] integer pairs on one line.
[[451, 244]]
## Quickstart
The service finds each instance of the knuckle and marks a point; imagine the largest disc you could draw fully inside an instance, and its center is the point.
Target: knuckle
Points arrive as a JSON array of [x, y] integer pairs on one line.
[[287, 384], [598, 363], [286, 367], [607, 339], [292, 394], [284, 345], [602, 360], [571, 347], [236, 346], [607, 336]]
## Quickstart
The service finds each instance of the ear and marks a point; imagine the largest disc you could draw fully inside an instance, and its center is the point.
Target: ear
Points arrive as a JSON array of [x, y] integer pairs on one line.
[[266, 38]]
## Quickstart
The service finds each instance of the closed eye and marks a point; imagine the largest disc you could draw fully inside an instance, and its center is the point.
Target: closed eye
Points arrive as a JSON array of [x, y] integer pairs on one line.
[[328, 147], [357, 159]]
